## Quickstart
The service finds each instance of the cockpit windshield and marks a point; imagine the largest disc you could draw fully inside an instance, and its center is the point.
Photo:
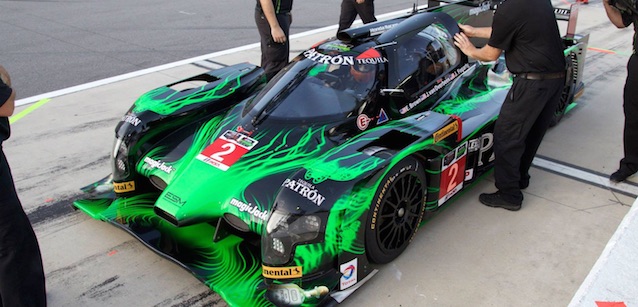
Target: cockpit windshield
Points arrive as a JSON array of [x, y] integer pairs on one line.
[[316, 85]]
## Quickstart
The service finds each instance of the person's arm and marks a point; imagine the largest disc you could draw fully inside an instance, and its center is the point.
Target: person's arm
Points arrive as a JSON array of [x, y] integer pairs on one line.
[[486, 54], [277, 33], [614, 15], [482, 32], [8, 107]]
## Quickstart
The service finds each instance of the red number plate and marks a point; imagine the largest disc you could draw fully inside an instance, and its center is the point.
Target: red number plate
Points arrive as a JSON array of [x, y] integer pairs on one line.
[[227, 149], [452, 173]]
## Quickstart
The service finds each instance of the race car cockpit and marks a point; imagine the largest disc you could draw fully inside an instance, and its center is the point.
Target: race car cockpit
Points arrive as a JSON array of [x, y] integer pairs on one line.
[[321, 83], [417, 62]]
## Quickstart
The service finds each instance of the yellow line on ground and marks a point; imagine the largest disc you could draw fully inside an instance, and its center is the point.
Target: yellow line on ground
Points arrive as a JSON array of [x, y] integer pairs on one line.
[[28, 110]]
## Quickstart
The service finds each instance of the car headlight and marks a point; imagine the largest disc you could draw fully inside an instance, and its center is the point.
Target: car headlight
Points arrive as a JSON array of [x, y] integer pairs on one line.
[[284, 231], [120, 158]]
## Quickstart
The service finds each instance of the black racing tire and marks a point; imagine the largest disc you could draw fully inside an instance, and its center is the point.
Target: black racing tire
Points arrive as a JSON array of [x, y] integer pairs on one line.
[[396, 211], [567, 95]]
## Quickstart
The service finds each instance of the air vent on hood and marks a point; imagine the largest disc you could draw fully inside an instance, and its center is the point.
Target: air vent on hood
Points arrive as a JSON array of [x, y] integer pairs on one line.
[[166, 216]]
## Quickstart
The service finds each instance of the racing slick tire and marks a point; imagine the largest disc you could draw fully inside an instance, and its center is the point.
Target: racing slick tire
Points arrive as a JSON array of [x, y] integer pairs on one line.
[[396, 211], [567, 95]]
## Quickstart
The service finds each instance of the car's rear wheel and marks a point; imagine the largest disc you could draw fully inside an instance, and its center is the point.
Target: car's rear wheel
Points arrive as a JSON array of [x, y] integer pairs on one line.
[[567, 95], [396, 211]]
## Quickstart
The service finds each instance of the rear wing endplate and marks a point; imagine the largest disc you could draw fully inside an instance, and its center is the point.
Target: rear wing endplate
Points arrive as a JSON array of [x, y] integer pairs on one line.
[[571, 16]]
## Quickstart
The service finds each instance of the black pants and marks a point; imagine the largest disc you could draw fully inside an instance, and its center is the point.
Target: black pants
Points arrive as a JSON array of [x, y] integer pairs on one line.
[[630, 107], [21, 272], [520, 128], [350, 9], [274, 56]]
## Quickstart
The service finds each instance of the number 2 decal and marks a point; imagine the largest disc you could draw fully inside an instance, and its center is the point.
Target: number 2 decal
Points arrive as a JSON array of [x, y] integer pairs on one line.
[[226, 150], [219, 155], [453, 170], [452, 173]]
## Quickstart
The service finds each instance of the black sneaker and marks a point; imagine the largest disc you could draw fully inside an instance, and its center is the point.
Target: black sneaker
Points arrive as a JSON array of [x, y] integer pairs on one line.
[[621, 175], [496, 200]]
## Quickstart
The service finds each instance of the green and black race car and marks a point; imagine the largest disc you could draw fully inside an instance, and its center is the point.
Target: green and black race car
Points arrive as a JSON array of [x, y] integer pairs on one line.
[[292, 192]]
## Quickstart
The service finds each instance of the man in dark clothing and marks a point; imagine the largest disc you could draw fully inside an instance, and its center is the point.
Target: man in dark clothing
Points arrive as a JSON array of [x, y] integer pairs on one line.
[[623, 13], [351, 8], [527, 31], [21, 272], [273, 19]]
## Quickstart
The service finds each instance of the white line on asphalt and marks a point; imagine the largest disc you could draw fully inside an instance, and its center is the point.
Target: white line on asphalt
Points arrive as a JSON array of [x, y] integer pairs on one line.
[[586, 176], [608, 266]]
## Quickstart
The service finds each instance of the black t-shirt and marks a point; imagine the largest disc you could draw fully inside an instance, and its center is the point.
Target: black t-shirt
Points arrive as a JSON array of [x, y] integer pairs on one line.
[[527, 31], [281, 6], [5, 93], [628, 17]]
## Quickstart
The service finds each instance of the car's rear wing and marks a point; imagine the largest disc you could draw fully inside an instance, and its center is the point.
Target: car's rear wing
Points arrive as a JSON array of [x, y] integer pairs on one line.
[[571, 16]]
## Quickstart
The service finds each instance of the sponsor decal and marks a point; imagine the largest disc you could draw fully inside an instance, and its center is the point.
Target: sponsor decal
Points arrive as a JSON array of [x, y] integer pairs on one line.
[[485, 6], [484, 144], [349, 274], [469, 174], [371, 60], [363, 121], [305, 189], [281, 272], [159, 165], [453, 173], [378, 30], [339, 59], [293, 295], [249, 208], [446, 131], [370, 56], [227, 149], [440, 84], [132, 119], [473, 145], [315, 56], [174, 199], [123, 187], [383, 117]]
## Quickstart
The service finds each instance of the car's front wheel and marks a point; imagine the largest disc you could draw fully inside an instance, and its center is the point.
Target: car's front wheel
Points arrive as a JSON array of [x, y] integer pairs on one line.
[[396, 211]]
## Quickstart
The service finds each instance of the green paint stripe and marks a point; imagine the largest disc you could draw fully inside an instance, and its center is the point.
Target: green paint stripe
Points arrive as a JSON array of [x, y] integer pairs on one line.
[[28, 110], [569, 107]]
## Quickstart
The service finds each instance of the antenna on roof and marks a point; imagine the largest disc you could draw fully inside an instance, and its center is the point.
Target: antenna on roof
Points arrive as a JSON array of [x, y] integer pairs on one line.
[[414, 6]]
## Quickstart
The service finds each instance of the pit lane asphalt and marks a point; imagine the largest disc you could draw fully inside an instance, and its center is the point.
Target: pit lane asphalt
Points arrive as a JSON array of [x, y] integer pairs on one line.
[[573, 243]]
